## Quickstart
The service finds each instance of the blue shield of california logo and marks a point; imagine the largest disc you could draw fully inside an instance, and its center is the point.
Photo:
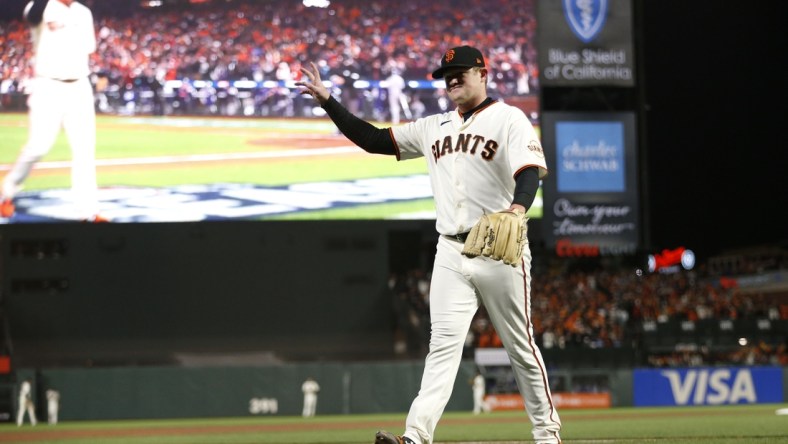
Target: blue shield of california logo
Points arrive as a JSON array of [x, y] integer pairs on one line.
[[586, 18]]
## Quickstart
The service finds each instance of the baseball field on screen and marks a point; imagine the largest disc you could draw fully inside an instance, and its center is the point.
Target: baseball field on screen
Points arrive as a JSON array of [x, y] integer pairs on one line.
[[146, 156], [681, 425]]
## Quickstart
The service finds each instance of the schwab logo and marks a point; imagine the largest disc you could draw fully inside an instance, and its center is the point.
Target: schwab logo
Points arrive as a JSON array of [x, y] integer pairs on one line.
[[707, 386], [711, 387]]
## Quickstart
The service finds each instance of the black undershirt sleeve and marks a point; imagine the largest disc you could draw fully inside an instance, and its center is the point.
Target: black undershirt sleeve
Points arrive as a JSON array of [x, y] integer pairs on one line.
[[527, 182], [36, 12], [370, 138]]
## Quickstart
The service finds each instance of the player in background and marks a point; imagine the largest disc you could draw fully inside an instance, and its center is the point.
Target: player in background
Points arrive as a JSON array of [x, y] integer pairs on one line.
[[26, 404], [479, 387], [310, 388], [483, 157], [396, 98], [53, 405], [62, 97]]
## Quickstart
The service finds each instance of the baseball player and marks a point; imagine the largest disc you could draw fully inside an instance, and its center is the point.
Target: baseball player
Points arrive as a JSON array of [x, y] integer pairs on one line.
[[479, 389], [26, 404], [483, 157], [310, 388], [53, 406], [62, 97], [395, 97]]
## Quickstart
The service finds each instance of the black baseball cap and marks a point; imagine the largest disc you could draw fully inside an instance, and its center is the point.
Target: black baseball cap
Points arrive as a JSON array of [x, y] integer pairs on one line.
[[462, 57]]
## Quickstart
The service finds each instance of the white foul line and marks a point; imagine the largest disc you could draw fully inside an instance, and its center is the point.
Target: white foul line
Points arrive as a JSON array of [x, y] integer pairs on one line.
[[201, 157]]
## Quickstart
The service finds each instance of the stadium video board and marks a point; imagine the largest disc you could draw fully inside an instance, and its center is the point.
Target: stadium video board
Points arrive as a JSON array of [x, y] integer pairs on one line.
[[205, 122], [215, 129]]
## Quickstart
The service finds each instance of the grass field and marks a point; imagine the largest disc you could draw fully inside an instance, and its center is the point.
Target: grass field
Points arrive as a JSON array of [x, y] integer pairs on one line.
[[164, 153], [136, 143], [684, 425]]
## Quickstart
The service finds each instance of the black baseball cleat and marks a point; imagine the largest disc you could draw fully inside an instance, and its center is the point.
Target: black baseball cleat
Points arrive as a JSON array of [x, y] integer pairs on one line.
[[384, 437]]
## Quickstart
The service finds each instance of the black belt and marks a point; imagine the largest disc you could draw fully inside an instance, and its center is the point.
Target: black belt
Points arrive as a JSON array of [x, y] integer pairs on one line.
[[457, 237]]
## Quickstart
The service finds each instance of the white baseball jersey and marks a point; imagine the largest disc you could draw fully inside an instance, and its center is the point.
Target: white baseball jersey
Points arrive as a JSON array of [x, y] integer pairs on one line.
[[63, 42], [478, 384], [472, 163], [25, 392], [310, 387]]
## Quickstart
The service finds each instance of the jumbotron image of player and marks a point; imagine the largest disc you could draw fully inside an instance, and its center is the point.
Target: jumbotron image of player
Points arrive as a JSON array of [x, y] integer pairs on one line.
[[62, 97]]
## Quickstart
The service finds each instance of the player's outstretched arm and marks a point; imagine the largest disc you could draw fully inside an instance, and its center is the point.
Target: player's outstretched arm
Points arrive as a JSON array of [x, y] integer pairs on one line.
[[314, 87], [370, 138]]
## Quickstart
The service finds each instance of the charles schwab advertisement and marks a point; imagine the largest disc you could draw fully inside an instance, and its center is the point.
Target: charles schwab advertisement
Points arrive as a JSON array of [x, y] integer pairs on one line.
[[591, 194]]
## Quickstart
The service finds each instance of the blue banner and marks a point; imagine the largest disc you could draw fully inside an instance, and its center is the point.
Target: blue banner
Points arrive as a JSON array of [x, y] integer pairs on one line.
[[708, 386], [590, 157]]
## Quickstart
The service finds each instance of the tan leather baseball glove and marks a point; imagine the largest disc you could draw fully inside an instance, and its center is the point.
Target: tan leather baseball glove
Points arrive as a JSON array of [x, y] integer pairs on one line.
[[500, 236]]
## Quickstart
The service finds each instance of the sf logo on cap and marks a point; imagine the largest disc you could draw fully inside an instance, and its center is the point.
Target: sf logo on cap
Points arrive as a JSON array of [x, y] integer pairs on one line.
[[450, 55]]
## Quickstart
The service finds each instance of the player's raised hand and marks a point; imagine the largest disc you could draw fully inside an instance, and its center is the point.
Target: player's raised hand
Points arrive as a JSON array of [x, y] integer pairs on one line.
[[314, 87]]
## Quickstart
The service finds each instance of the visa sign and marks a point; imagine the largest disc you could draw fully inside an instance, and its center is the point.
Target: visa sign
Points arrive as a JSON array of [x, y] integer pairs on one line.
[[708, 386]]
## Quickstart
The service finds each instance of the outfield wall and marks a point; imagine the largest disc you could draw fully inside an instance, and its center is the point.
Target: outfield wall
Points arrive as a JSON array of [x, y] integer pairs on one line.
[[358, 388], [177, 392]]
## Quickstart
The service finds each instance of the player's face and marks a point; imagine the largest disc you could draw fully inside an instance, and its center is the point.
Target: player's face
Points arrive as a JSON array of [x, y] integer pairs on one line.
[[466, 87]]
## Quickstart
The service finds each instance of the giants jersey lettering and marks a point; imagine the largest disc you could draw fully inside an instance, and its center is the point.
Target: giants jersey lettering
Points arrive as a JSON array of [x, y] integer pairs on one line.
[[472, 164]]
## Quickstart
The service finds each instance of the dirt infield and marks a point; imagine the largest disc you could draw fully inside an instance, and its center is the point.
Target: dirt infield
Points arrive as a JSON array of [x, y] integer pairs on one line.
[[48, 433], [91, 433]]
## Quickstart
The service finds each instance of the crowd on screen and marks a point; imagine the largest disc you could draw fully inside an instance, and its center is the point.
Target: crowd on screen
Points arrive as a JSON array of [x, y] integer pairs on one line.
[[607, 309], [139, 50]]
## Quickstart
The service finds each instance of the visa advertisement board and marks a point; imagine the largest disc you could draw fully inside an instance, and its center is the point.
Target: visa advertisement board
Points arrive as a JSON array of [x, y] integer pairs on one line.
[[707, 386]]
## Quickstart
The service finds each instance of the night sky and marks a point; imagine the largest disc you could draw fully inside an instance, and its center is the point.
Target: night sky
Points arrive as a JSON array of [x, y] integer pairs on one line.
[[715, 96], [715, 90]]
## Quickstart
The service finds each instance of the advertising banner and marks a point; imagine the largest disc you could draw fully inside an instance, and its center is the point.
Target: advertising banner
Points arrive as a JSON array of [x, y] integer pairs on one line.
[[707, 386], [562, 400], [585, 43], [591, 204]]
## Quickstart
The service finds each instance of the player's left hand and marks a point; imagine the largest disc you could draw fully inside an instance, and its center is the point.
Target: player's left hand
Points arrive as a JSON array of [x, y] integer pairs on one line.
[[499, 236], [314, 87]]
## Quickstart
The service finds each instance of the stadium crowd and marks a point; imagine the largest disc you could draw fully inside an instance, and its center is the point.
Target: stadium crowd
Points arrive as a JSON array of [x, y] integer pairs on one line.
[[186, 59], [608, 309]]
